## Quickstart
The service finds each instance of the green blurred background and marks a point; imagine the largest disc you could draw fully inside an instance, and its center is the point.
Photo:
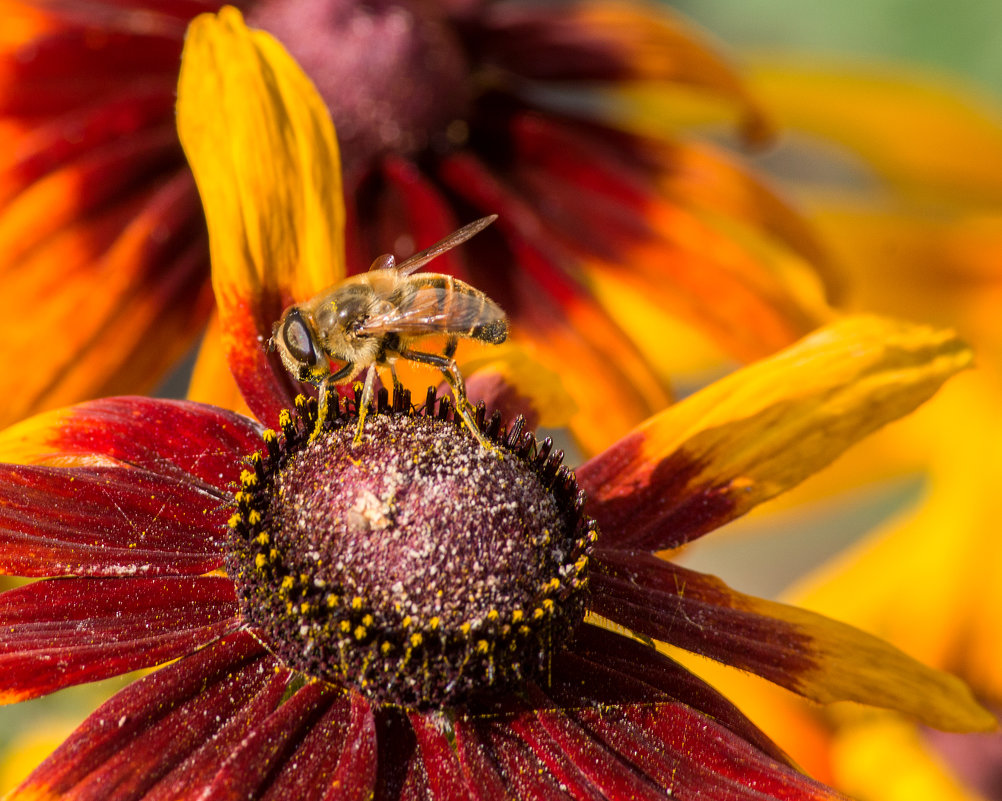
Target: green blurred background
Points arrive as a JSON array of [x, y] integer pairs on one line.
[[962, 36]]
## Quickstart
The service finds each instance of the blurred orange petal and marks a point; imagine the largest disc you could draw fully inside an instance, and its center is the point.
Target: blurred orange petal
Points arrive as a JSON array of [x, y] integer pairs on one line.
[[926, 135]]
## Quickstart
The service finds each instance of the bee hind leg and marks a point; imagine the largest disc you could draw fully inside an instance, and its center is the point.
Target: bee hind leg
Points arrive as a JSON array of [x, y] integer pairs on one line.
[[454, 378]]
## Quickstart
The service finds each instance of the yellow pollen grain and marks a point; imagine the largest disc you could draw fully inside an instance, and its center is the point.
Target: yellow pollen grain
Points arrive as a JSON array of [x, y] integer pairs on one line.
[[407, 622], [248, 479], [367, 620], [235, 520], [360, 633], [482, 647], [254, 517], [548, 605], [581, 564], [260, 560], [434, 623], [552, 585], [356, 602], [269, 435], [285, 418], [537, 613], [241, 497], [465, 628], [304, 607], [288, 583], [289, 607], [345, 626], [273, 554], [517, 615], [304, 578], [332, 601], [416, 640], [386, 648], [493, 614], [262, 538]]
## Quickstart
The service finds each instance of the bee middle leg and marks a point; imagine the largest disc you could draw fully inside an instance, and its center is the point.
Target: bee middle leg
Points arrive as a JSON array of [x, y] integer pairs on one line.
[[363, 406], [454, 378]]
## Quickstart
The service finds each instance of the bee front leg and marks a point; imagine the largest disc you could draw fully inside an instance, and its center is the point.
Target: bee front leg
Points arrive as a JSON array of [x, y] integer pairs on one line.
[[324, 390], [363, 406], [452, 375]]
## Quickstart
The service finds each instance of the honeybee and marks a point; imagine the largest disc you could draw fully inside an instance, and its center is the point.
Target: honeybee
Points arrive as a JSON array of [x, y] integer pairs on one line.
[[373, 319]]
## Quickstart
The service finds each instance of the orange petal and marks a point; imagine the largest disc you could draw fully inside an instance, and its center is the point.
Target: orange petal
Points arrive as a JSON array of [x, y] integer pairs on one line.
[[764, 429], [261, 145]]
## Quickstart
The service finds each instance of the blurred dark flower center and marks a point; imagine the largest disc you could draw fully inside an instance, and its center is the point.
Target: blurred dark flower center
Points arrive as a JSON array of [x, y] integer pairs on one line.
[[393, 74], [416, 566]]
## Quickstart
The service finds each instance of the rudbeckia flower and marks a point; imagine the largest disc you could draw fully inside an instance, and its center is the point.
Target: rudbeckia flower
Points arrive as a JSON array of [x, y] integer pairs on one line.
[[416, 615], [447, 111]]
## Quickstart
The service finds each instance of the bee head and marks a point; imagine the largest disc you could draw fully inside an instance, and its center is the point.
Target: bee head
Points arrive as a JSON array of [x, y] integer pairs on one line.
[[296, 344]]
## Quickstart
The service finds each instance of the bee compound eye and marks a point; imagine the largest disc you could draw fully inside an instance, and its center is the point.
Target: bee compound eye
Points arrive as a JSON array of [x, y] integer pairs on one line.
[[298, 340]]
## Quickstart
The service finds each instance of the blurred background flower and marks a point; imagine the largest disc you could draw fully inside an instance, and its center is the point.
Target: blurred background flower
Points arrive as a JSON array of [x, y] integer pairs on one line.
[[447, 111]]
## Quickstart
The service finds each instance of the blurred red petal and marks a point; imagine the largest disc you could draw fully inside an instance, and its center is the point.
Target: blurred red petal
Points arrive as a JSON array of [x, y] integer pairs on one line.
[[62, 632], [106, 522]]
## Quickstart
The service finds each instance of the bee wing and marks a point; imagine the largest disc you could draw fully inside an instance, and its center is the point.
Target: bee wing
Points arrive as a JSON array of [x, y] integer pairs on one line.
[[434, 309], [421, 258]]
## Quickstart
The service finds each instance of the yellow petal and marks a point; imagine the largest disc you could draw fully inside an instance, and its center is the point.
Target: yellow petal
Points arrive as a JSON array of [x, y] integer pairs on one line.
[[262, 148], [764, 429], [931, 581]]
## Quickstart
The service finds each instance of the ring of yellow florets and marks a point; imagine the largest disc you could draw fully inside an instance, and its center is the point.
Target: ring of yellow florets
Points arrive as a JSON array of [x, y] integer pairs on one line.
[[416, 566]]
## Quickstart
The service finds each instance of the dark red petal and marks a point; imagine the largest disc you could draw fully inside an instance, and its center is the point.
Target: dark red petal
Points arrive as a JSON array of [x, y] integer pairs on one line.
[[662, 509], [152, 714], [585, 766], [401, 775], [602, 668], [173, 438], [62, 632], [354, 777], [446, 781], [106, 521], [195, 773], [483, 776], [683, 607], [247, 770], [523, 774], [693, 757], [307, 770]]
